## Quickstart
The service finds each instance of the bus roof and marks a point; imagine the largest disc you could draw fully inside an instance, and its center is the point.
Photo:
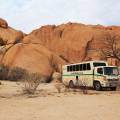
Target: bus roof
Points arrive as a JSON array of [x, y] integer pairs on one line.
[[100, 61], [106, 66]]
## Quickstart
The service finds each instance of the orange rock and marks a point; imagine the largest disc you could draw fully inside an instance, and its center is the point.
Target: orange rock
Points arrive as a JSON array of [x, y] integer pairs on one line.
[[3, 23], [74, 42], [46, 49], [34, 58]]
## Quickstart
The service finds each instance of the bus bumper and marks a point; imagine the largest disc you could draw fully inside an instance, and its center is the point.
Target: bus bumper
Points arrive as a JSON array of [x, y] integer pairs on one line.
[[109, 84]]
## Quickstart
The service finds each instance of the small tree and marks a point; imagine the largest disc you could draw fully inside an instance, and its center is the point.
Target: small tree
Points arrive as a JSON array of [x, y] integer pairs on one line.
[[31, 81], [111, 49]]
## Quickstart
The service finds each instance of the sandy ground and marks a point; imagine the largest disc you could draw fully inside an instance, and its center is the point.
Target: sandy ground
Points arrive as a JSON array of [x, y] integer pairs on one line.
[[47, 104]]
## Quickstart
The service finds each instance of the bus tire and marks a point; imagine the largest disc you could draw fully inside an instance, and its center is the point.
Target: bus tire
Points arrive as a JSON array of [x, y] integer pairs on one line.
[[71, 84], [113, 88], [97, 86]]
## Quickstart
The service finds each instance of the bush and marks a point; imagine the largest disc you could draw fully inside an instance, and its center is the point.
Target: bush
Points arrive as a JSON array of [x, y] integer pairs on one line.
[[83, 86], [4, 72], [57, 76], [16, 73], [31, 81], [60, 86]]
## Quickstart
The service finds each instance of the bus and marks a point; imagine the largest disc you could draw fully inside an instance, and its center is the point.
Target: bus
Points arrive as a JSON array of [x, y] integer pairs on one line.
[[96, 74]]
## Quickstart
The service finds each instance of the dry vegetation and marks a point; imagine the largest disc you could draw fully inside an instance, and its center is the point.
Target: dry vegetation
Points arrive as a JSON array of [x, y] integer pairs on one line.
[[60, 87], [57, 80], [112, 49], [48, 104], [31, 81]]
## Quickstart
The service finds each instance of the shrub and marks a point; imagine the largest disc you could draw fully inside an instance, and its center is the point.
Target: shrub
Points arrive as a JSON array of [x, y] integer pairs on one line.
[[57, 76], [16, 73], [31, 81], [83, 87], [60, 87], [4, 72]]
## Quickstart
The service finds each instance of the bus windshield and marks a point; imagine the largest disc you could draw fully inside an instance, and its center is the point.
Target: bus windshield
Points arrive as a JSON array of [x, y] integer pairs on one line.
[[97, 64], [110, 70]]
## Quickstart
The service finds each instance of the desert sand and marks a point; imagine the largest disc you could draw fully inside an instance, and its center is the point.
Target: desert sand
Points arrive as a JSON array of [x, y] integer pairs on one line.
[[47, 104]]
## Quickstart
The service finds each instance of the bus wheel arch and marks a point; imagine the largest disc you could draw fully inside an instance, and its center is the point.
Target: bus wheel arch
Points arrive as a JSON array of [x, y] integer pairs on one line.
[[97, 85]]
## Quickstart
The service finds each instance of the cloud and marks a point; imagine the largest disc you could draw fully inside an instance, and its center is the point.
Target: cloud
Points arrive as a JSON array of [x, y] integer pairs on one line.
[[27, 15]]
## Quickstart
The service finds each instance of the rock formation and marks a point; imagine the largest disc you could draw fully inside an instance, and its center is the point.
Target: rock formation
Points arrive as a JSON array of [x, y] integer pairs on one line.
[[76, 42], [3, 23], [32, 56], [46, 49]]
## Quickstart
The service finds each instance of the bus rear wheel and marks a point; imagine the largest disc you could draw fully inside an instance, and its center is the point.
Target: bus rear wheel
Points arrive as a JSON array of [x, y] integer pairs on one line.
[[97, 86], [71, 84]]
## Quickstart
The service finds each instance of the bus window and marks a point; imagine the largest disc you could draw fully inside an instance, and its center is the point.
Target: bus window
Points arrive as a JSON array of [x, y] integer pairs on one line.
[[88, 66], [80, 67], [96, 64], [84, 66], [70, 68], [74, 67], [100, 70], [77, 68]]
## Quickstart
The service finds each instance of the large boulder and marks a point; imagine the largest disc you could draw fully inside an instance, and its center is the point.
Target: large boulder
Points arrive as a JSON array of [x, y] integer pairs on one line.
[[3, 23], [35, 58], [75, 42], [46, 49]]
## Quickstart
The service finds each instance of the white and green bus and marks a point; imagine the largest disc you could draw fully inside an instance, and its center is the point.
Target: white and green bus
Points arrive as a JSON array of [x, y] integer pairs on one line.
[[96, 74]]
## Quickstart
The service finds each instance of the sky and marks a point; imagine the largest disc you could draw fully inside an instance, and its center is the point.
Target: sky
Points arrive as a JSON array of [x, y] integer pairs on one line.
[[27, 15]]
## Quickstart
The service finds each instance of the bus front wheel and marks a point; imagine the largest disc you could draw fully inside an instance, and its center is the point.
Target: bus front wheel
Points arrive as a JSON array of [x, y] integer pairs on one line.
[[71, 84], [97, 86]]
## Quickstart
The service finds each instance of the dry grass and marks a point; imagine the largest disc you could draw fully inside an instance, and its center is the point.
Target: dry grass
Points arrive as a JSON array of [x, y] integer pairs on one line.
[[59, 86], [31, 81], [57, 76]]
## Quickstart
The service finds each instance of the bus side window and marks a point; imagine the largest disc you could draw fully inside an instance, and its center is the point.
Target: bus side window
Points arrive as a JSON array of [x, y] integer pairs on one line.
[[88, 66], [80, 66], [74, 67], [84, 66], [77, 68], [70, 68]]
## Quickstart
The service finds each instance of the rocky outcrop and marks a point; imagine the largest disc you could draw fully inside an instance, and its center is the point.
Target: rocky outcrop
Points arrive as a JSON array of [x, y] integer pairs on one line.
[[34, 58], [15, 50], [75, 42], [46, 49], [3, 23]]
